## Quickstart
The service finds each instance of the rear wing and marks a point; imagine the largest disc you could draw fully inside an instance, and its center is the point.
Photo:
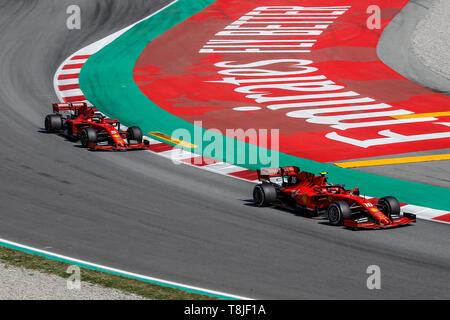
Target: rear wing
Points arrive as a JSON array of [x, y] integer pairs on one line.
[[74, 107], [274, 174]]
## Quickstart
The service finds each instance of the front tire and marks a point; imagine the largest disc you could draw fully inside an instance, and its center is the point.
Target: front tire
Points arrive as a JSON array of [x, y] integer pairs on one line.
[[264, 194], [88, 135], [53, 123], [389, 206], [134, 133], [338, 212]]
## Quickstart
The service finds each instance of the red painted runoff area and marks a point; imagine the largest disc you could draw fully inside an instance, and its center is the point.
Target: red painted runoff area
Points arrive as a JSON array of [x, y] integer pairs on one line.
[[308, 68]]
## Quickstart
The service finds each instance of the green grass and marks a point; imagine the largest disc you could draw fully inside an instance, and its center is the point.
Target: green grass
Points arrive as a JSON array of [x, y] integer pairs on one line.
[[17, 258]]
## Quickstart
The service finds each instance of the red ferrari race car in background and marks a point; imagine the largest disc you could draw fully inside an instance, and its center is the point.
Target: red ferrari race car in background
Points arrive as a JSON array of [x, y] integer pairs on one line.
[[96, 132], [289, 187]]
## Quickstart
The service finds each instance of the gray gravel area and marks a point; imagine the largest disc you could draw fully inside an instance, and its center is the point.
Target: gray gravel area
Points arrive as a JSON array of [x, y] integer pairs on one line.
[[25, 284], [431, 39]]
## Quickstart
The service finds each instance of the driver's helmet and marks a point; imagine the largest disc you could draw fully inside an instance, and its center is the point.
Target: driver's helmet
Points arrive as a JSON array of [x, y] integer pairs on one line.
[[97, 116], [292, 179]]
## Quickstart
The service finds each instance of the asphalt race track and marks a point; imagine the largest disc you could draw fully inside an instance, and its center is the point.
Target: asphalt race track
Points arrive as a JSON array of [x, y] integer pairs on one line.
[[141, 213]]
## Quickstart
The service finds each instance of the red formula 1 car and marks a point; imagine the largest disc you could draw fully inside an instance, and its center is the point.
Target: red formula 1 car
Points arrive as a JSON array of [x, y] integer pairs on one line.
[[295, 189], [96, 132]]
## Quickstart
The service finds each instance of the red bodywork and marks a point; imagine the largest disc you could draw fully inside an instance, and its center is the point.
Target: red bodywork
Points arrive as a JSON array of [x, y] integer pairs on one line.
[[78, 116], [315, 194]]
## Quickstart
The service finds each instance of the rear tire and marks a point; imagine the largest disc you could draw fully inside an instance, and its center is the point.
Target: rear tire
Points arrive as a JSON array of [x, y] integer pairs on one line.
[[264, 194], [53, 123], [134, 133], [88, 135], [338, 212], [389, 206]]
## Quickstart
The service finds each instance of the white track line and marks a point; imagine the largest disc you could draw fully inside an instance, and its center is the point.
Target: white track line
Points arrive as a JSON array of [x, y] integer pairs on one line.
[[71, 93], [106, 269], [67, 81], [177, 154]]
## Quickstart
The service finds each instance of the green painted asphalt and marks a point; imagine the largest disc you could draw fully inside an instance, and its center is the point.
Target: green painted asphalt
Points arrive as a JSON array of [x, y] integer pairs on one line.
[[106, 80]]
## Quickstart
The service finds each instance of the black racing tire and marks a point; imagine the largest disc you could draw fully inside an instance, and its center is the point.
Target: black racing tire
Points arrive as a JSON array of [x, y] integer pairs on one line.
[[338, 212], [389, 206], [264, 195], [134, 133], [53, 123], [88, 135]]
